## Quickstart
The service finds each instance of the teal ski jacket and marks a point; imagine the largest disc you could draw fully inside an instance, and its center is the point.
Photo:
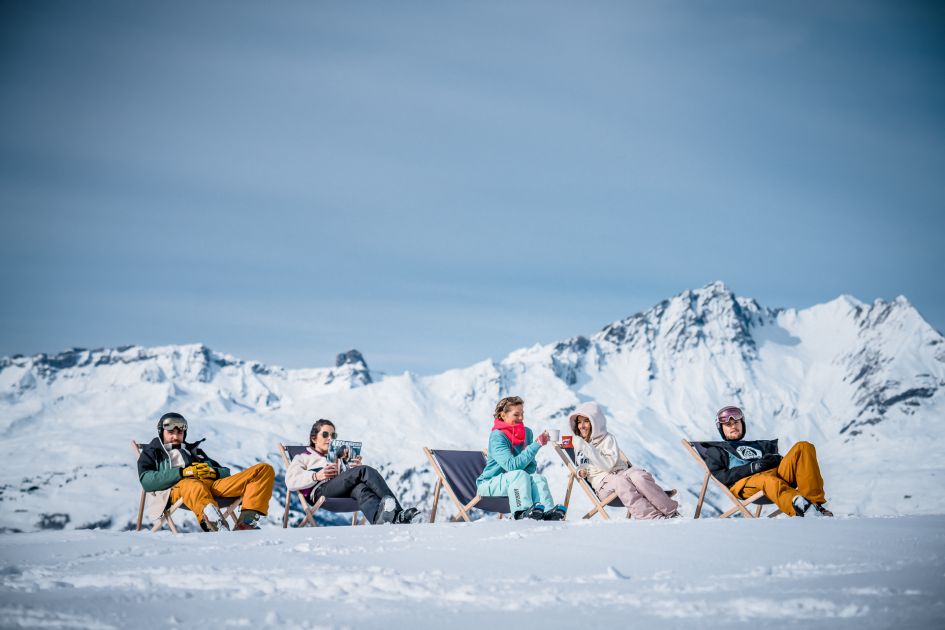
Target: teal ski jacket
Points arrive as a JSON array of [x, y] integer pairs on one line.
[[503, 457]]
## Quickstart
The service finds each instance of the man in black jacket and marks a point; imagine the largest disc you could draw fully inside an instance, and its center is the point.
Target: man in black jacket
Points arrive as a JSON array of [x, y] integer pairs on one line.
[[171, 468], [793, 482]]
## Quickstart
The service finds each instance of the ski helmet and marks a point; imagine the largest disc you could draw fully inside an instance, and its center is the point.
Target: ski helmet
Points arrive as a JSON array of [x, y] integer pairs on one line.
[[173, 419], [727, 414]]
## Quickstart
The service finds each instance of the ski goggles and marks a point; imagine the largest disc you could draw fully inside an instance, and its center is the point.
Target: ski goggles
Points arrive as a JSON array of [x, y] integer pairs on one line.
[[729, 416], [175, 424]]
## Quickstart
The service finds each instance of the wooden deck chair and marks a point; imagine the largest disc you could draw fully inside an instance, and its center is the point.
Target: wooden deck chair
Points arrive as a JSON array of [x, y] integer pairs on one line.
[[331, 505], [456, 472], [741, 505], [228, 506], [612, 500]]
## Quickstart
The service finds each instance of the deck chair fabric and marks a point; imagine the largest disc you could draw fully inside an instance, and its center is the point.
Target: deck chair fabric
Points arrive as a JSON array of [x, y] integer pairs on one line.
[[228, 506], [336, 505], [456, 472], [759, 500]]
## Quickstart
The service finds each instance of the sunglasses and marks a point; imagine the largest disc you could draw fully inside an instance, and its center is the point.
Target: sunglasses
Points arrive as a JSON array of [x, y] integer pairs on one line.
[[729, 416], [174, 425], [325, 434]]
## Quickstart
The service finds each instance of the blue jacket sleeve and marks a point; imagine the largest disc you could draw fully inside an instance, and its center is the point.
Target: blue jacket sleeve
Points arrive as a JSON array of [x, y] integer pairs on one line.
[[500, 449]]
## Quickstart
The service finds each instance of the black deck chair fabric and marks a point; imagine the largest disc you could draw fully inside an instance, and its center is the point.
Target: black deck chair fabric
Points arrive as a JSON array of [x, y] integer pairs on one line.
[[461, 469], [701, 449], [332, 505]]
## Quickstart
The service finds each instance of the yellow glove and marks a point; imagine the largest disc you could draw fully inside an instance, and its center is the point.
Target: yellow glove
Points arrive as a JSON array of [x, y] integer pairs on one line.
[[189, 473], [205, 471]]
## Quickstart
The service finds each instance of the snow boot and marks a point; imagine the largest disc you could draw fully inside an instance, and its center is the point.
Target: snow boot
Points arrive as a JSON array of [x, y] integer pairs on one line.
[[821, 511], [557, 513], [801, 505], [408, 516], [535, 512], [386, 511], [213, 520], [249, 519]]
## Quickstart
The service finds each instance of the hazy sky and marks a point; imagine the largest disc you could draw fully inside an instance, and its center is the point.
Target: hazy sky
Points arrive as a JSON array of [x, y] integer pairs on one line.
[[442, 182]]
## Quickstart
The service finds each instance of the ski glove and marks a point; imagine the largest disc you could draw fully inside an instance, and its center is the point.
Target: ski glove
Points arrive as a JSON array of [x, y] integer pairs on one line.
[[771, 460], [199, 470]]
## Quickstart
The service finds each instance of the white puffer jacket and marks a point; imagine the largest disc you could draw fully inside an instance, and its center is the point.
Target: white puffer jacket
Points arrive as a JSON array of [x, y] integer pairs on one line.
[[601, 455]]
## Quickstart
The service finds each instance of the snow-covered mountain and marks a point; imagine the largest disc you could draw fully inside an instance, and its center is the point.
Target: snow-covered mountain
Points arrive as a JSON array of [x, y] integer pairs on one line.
[[863, 382]]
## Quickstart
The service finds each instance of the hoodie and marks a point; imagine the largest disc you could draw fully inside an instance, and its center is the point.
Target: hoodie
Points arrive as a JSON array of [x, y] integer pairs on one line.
[[600, 455]]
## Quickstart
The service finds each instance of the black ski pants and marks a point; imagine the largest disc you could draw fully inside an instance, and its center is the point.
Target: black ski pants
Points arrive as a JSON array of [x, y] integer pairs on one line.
[[363, 484]]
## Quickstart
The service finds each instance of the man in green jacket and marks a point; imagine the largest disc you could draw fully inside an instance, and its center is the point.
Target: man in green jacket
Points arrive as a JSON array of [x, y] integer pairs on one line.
[[170, 468]]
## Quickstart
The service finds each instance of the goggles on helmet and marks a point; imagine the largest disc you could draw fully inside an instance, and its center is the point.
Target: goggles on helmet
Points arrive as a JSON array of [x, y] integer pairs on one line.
[[729, 416], [174, 423]]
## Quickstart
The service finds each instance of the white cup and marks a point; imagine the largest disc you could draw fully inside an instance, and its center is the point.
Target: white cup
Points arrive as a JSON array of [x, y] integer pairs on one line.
[[554, 435]]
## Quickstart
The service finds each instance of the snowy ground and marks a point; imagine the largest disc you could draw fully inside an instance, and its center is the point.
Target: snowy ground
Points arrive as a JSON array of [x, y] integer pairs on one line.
[[839, 573]]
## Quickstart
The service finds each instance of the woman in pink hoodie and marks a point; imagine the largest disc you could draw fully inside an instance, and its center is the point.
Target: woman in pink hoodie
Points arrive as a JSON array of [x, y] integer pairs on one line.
[[598, 458]]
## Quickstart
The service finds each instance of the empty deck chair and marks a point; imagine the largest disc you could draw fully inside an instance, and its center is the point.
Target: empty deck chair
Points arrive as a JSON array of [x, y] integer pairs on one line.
[[697, 450], [456, 472], [336, 505], [228, 506]]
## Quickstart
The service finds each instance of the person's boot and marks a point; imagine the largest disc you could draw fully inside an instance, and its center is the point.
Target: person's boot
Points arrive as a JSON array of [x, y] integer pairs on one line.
[[213, 520], [535, 512], [670, 493], [557, 513], [386, 511], [408, 516], [821, 511], [801, 505], [249, 519]]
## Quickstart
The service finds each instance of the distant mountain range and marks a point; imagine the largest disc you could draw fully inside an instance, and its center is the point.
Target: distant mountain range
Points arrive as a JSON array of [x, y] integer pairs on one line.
[[863, 382]]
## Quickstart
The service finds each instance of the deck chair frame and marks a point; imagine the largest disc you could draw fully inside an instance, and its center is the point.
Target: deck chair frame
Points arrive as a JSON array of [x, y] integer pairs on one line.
[[442, 484], [741, 505], [308, 509], [585, 485], [228, 511]]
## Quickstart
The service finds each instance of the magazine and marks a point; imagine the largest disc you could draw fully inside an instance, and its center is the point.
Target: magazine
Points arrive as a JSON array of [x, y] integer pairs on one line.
[[343, 452]]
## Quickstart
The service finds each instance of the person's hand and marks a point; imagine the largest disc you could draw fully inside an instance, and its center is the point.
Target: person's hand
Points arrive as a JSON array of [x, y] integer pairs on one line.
[[205, 471], [543, 438], [190, 472], [355, 462], [328, 472], [582, 473], [764, 463]]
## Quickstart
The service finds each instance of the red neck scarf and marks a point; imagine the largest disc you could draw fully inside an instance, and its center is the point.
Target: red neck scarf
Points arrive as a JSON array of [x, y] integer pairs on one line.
[[515, 432]]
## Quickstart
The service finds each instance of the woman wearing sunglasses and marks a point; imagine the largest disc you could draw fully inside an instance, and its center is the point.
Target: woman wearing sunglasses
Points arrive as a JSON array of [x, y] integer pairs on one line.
[[315, 477], [792, 482]]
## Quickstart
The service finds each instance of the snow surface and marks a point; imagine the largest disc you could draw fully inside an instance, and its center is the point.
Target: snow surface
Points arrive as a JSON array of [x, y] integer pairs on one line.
[[708, 573]]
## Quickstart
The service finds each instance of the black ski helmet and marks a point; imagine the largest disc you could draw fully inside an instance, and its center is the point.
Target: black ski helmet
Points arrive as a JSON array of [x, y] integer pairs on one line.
[[173, 415], [731, 411]]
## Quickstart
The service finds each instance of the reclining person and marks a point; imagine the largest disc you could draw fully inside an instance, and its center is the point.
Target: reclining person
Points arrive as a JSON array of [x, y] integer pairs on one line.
[[793, 482], [311, 474], [171, 468], [598, 457], [510, 467]]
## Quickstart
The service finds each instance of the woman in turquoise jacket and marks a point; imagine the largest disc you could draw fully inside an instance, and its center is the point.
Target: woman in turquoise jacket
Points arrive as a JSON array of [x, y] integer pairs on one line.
[[510, 468]]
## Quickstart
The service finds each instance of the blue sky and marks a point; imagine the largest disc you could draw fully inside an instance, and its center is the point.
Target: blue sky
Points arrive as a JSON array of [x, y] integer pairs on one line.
[[438, 183]]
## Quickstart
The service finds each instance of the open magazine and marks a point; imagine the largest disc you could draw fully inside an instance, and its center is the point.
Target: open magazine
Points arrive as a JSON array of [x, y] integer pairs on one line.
[[343, 452]]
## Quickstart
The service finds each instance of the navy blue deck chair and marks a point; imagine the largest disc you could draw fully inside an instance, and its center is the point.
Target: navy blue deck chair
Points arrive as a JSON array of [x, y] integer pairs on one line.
[[228, 506], [758, 499], [456, 472], [336, 505]]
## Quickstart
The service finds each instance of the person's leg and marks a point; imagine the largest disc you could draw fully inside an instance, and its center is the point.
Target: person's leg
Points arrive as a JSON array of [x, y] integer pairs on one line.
[[361, 483], [775, 488], [514, 484], [647, 486], [799, 468], [254, 485], [196, 494], [630, 495], [539, 488]]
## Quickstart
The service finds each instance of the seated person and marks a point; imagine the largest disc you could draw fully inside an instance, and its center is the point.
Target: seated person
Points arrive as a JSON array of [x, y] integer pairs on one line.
[[510, 467], [311, 474], [793, 482], [598, 457], [171, 468]]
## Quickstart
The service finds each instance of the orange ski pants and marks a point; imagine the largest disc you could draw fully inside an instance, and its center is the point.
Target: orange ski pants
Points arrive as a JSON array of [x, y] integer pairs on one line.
[[253, 484], [798, 473]]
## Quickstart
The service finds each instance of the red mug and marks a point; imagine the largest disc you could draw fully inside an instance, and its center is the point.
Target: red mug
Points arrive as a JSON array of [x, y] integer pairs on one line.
[[566, 441]]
